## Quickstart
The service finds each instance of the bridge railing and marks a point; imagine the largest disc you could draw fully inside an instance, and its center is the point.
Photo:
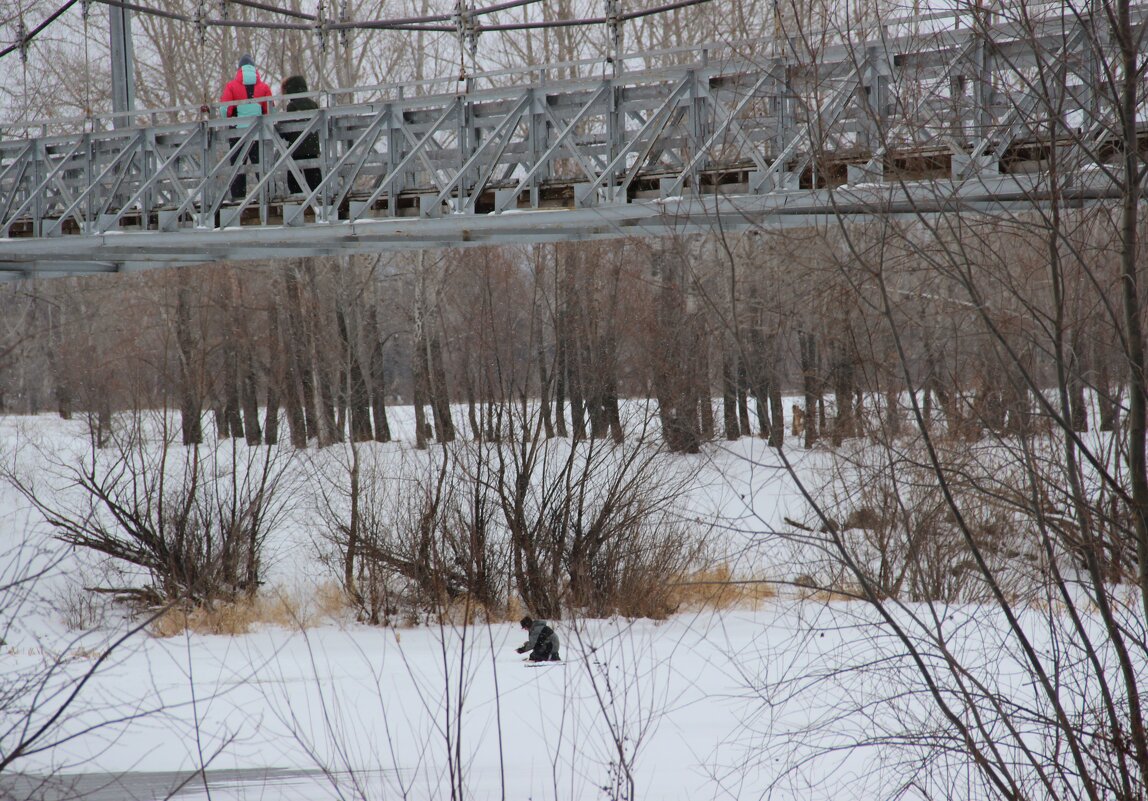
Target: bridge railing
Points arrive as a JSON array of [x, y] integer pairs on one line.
[[846, 34], [737, 116]]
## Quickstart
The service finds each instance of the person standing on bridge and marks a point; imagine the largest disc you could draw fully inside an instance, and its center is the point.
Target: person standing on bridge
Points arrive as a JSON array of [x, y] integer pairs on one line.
[[245, 86], [308, 149]]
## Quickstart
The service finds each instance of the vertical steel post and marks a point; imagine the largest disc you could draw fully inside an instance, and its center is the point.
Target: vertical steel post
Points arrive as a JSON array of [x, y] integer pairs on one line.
[[123, 59], [614, 29]]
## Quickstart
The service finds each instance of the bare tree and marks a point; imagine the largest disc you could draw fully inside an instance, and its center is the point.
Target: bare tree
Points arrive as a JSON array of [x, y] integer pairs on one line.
[[1000, 495], [43, 690], [187, 524]]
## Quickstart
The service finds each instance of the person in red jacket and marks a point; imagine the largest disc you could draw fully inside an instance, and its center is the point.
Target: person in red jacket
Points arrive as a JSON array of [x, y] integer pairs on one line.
[[242, 95]]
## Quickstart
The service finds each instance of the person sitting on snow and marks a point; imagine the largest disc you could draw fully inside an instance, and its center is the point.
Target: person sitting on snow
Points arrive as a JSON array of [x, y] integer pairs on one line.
[[542, 643]]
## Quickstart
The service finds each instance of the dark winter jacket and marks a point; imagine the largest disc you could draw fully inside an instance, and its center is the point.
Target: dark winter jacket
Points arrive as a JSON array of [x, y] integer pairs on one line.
[[309, 147], [540, 634]]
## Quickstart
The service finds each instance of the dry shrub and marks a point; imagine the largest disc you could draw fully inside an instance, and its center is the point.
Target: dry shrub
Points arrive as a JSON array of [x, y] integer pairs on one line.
[[832, 594], [897, 526], [412, 540], [238, 617], [514, 609], [81, 609], [715, 588], [468, 611], [192, 520], [632, 572], [330, 601]]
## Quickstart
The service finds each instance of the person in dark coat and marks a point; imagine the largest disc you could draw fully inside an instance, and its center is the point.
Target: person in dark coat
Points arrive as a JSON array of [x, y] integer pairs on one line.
[[308, 149], [542, 642], [249, 87]]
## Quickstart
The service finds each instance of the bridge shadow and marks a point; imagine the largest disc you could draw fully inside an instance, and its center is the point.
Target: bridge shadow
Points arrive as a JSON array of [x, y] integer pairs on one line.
[[267, 784]]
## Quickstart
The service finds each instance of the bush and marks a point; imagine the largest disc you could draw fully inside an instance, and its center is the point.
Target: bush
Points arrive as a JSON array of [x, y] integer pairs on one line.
[[412, 534], [891, 519], [592, 526], [191, 521]]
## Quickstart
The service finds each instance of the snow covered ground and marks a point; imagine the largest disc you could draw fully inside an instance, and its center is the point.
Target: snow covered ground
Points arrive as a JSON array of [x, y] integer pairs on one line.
[[790, 699]]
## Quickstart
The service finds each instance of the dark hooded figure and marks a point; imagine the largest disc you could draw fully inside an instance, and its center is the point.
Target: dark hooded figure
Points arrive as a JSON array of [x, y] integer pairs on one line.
[[542, 642], [308, 148]]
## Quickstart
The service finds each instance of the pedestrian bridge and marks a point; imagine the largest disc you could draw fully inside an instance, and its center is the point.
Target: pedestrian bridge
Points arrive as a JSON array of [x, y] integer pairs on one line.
[[939, 114]]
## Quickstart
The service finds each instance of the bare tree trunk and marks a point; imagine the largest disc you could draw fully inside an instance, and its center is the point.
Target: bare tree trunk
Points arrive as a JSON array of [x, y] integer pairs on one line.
[[471, 405], [250, 390], [571, 338], [429, 371], [378, 379], [592, 365], [104, 420], [777, 413], [810, 385], [419, 364], [561, 357], [1018, 405], [440, 399], [422, 429], [326, 375], [893, 423], [610, 389], [759, 380], [729, 392], [353, 533], [674, 381], [357, 390], [230, 390], [1077, 404], [1108, 397], [190, 404], [246, 379], [1131, 262], [844, 426], [702, 387], [298, 362], [743, 397], [544, 380], [61, 381], [560, 370], [287, 377], [274, 378]]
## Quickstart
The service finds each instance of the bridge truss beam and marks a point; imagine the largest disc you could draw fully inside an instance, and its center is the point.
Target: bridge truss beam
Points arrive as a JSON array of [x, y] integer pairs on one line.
[[725, 140]]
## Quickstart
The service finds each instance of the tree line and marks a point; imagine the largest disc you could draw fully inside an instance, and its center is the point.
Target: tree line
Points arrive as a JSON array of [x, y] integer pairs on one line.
[[716, 331]]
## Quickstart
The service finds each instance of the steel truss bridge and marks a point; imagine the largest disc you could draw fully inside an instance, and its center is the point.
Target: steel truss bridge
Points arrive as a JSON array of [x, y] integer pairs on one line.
[[935, 114]]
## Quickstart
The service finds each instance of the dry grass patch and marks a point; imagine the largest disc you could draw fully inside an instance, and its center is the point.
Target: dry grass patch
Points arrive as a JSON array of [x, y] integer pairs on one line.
[[330, 601], [238, 617], [831, 594], [715, 588], [466, 611], [514, 609], [808, 589]]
